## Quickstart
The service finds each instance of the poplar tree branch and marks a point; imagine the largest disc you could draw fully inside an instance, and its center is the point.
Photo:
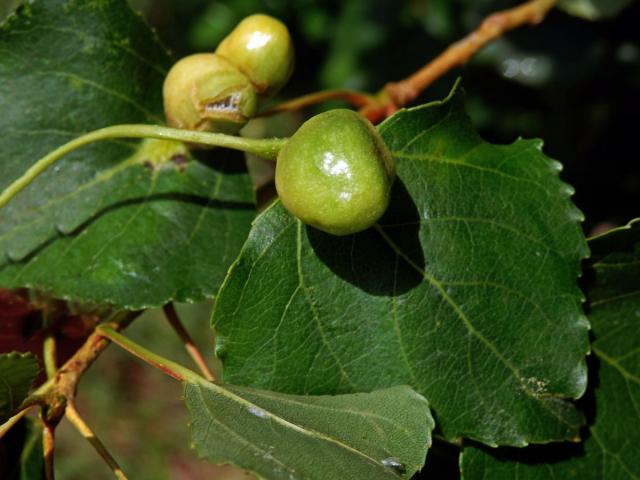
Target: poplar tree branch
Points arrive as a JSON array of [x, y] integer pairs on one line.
[[398, 94]]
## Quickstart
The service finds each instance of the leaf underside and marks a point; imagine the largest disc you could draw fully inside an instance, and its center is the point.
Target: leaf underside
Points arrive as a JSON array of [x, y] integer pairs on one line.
[[17, 373], [466, 291], [379, 435], [610, 447], [107, 223]]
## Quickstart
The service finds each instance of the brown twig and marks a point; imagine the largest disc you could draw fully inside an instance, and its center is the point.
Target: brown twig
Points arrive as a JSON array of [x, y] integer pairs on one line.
[[76, 420], [399, 94], [48, 446], [192, 349], [67, 377], [54, 395], [357, 99]]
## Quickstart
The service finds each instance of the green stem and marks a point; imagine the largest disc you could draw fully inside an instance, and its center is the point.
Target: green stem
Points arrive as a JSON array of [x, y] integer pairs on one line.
[[49, 354], [266, 148], [165, 365]]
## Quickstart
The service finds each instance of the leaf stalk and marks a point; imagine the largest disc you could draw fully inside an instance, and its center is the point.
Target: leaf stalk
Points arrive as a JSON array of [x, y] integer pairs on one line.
[[48, 448], [266, 148], [171, 368], [355, 98]]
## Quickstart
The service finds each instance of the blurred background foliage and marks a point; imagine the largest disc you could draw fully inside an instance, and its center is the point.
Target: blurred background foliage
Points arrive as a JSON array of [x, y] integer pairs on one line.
[[572, 82]]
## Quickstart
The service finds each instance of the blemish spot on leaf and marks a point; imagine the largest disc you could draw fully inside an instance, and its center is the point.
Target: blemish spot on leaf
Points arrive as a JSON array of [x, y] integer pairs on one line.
[[346, 434], [394, 464], [258, 412], [610, 448], [537, 385]]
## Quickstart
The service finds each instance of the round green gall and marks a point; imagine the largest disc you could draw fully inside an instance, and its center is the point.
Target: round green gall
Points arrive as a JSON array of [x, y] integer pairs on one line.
[[335, 173], [260, 46], [206, 92]]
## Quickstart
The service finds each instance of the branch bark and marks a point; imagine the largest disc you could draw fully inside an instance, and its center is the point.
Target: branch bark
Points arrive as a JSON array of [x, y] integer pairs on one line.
[[398, 94], [357, 99], [57, 390]]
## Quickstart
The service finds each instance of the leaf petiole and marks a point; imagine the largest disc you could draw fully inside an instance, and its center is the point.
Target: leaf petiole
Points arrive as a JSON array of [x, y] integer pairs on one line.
[[163, 364], [266, 148], [49, 354]]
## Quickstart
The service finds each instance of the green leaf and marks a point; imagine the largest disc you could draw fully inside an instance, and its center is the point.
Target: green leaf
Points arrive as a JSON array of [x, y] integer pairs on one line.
[[610, 447], [379, 435], [594, 9], [467, 292], [21, 456], [17, 373], [139, 224]]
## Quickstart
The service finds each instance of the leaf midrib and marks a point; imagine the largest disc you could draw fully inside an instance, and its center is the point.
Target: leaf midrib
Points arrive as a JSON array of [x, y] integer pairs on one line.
[[314, 434]]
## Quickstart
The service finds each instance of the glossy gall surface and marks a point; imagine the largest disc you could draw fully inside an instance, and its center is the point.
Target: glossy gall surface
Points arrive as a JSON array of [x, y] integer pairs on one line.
[[260, 46], [336, 173]]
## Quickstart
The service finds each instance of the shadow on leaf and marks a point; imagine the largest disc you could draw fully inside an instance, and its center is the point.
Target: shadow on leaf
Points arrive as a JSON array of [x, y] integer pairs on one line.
[[368, 260]]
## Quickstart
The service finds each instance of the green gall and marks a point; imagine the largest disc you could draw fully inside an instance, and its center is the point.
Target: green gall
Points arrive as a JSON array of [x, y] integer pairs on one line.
[[335, 173], [206, 92], [260, 46]]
